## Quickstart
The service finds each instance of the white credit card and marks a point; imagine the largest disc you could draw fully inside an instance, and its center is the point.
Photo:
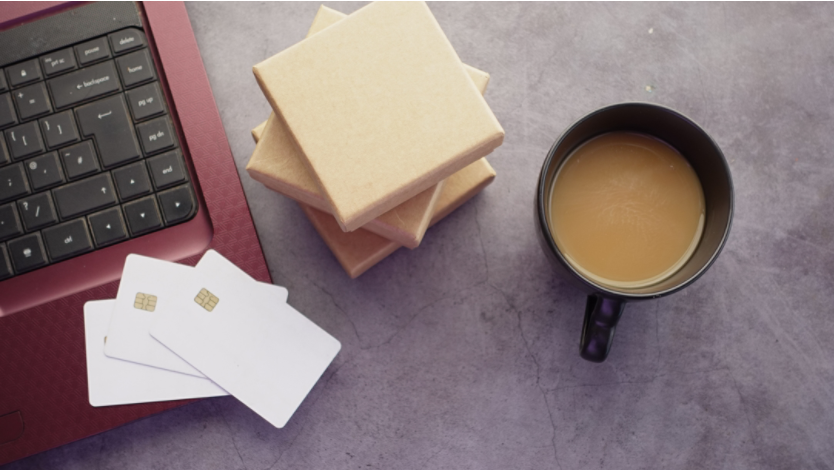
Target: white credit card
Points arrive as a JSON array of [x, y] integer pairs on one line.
[[264, 352], [148, 290], [116, 382]]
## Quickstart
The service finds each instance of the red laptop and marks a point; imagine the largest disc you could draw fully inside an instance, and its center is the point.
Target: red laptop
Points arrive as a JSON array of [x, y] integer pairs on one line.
[[110, 144]]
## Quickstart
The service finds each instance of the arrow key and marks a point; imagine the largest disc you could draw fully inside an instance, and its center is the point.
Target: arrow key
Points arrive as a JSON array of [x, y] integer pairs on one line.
[[132, 181], [177, 204], [108, 226], [142, 215]]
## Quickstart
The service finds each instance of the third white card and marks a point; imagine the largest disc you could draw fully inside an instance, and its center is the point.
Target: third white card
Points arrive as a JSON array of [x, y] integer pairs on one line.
[[116, 382], [265, 353]]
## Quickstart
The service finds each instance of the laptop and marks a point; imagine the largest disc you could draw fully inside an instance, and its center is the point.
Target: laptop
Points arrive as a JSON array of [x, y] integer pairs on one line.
[[110, 144]]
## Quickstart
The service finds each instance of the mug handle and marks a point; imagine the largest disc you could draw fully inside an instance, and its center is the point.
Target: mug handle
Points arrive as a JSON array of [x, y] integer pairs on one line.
[[601, 317]]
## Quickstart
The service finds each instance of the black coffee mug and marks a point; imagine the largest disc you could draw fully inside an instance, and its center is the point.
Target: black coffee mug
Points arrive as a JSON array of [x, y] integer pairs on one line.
[[605, 304]]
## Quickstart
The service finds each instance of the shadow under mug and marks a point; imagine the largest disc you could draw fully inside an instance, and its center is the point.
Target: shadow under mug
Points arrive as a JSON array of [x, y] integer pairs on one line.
[[605, 304]]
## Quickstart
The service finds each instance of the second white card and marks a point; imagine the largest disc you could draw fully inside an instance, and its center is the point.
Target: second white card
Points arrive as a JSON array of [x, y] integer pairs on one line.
[[116, 382]]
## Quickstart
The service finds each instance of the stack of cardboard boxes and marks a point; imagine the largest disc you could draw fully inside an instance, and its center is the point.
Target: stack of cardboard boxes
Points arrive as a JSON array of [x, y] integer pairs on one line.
[[378, 130]]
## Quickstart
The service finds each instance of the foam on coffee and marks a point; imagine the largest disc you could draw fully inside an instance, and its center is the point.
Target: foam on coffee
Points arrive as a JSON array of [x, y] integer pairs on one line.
[[626, 210]]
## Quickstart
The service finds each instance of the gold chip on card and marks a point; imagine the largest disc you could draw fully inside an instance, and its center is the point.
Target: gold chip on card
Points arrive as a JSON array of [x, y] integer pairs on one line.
[[206, 299], [145, 302]]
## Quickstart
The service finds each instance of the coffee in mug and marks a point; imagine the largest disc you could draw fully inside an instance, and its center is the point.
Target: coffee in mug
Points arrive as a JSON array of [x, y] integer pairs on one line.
[[626, 209]]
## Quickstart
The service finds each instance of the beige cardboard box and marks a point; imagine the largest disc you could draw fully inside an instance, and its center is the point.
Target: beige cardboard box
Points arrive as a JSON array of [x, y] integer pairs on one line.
[[277, 167], [380, 107], [277, 164], [361, 249]]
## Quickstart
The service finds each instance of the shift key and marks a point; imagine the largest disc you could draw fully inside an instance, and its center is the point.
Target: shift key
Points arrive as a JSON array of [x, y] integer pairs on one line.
[[85, 196], [84, 84], [107, 120]]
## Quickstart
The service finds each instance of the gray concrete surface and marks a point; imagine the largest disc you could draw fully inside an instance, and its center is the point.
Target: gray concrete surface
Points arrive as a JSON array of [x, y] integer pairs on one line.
[[463, 353]]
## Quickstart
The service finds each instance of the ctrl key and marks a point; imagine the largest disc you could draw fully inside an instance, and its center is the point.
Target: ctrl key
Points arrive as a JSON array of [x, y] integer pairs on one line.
[[27, 252], [68, 239]]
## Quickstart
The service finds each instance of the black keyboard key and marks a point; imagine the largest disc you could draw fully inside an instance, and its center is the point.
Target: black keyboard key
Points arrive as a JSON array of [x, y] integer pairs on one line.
[[68, 239], [126, 40], [167, 169], [3, 85], [23, 73], [7, 115], [57, 62], [44, 171], [87, 195], [142, 215], [32, 101], [4, 152], [24, 140], [85, 84], [155, 135], [27, 252], [9, 222], [135, 68], [13, 182], [145, 101], [5, 264], [59, 129], [107, 120], [108, 226], [177, 204], [92, 51], [37, 211], [132, 181], [80, 160]]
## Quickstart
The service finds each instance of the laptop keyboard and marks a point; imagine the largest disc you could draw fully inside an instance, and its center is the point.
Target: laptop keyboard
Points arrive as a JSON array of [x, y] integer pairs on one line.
[[88, 154]]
